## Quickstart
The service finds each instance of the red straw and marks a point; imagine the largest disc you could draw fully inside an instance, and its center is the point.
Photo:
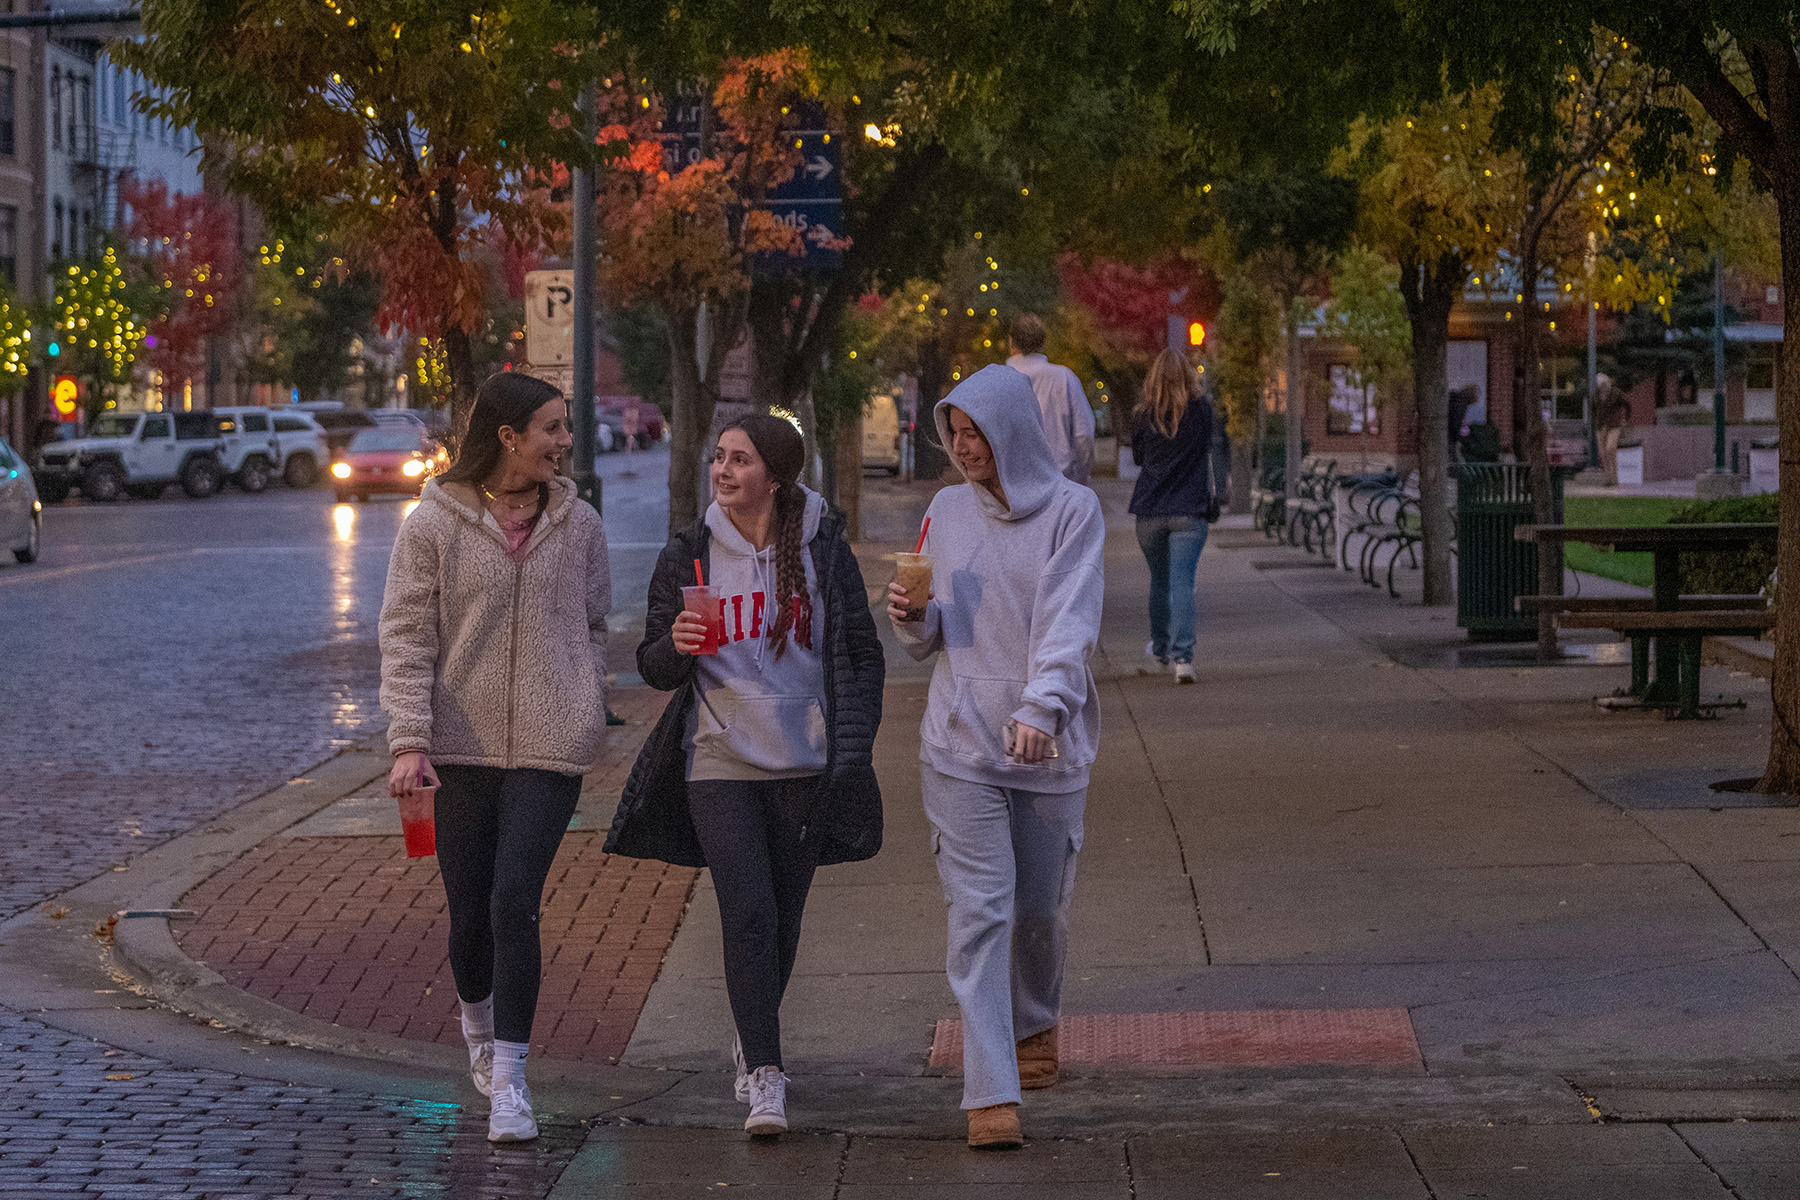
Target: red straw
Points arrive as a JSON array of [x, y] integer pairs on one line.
[[921, 546], [699, 579]]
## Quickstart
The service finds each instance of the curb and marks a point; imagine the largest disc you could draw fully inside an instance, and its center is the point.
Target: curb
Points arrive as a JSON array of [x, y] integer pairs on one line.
[[1749, 655]]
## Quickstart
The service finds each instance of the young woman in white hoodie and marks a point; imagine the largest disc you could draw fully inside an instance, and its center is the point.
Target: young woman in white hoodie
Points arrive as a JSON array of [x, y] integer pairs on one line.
[[760, 767], [1010, 728], [493, 678]]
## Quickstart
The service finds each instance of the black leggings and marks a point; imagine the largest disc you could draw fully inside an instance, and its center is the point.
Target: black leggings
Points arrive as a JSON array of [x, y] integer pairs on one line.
[[497, 833], [750, 831]]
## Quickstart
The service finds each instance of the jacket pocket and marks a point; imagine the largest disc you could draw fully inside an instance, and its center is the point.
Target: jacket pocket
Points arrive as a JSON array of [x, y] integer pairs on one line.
[[776, 733], [979, 715]]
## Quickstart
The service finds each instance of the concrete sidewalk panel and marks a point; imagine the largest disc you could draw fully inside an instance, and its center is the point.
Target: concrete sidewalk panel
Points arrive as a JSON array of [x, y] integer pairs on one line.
[[1259, 914], [1729, 835], [914, 1164], [689, 1162], [1564, 1162], [1759, 1161], [1358, 1165], [1043, 1190], [1702, 1014], [1763, 894]]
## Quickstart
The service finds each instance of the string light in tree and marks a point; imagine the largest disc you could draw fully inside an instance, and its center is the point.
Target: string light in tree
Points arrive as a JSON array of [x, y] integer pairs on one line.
[[93, 319]]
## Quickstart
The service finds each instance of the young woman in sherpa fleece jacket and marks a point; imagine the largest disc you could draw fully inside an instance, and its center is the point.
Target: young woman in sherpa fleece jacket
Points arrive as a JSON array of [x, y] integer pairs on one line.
[[493, 678], [760, 767], [1014, 616]]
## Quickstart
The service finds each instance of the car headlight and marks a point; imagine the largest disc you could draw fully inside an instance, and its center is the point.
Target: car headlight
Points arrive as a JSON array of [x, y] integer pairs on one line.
[[412, 468], [341, 470]]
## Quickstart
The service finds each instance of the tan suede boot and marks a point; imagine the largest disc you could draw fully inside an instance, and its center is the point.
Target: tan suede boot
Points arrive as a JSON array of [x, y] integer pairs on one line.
[[1038, 1061], [995, 1127]]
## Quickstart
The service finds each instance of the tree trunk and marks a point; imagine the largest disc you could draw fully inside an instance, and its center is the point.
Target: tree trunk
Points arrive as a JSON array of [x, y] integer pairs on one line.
[[1429, 293], [1782, 774], [461, 353], [848, 436], [1243, 466], [690, 419], [1537, 439], [1295, 422]]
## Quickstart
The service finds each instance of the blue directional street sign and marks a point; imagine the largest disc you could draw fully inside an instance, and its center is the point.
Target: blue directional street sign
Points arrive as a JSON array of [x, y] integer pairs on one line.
[[812, 203]]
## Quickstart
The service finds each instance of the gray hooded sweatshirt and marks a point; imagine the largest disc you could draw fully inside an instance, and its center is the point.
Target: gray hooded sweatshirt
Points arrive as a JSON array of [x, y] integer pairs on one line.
[[1016, 612], [760, 716]]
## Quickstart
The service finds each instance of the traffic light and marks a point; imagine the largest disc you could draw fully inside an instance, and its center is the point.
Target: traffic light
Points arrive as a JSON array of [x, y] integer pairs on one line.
[[65, 393], [1196, 333]]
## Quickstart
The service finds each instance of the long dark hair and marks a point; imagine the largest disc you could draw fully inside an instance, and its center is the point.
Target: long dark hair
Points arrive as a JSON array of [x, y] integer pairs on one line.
[[783, 452], [508, 398]]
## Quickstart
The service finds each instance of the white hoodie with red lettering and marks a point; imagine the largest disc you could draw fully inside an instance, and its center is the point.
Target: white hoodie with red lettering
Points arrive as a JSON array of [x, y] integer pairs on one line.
[[759, 716]]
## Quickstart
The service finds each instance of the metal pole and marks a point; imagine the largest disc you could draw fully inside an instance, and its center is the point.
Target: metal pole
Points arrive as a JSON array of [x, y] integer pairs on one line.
[[581, 389], [1718, 364], [1593, 363]]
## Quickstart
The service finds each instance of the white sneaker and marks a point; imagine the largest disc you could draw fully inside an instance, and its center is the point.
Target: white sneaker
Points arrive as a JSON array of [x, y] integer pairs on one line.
[[768, 1103], [510, 1119], [481, 1066], [1184, 672], [1153, 663], [742, 1090]]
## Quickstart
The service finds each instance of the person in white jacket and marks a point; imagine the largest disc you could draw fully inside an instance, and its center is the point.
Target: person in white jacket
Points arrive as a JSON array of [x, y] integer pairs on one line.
[[1068, 418], [1010, 729]]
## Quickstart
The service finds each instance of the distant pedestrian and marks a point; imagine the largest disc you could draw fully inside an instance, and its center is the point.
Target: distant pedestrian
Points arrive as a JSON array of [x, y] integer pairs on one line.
[[1010, 729], [1068, 418], [1612, 413], [629, 418], [760, 767], [493, 678], [1171, 442]]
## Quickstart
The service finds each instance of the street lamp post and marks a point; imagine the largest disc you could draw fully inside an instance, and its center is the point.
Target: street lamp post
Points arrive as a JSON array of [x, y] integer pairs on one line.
[[581, 388]]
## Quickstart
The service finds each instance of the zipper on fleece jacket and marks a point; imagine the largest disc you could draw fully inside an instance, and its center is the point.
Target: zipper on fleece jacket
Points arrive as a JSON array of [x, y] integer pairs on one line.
[[512, 660]]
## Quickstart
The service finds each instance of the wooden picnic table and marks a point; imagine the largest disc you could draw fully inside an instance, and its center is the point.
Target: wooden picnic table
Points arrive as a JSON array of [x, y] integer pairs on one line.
[[1665, 544]]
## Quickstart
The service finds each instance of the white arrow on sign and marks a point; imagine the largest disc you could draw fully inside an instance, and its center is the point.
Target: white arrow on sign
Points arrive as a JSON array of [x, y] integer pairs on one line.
[[819, 167]]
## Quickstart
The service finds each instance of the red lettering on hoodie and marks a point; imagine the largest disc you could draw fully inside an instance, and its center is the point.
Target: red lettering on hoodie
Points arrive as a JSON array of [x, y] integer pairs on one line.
[[737, 618], [758, 602]]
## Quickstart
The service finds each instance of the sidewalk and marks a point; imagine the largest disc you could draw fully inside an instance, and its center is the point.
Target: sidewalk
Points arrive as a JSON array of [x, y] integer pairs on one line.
[[1354, 917]]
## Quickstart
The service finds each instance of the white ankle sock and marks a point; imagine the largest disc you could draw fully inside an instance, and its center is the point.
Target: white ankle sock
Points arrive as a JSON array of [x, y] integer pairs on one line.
[[478, 1020], [509, 1064]]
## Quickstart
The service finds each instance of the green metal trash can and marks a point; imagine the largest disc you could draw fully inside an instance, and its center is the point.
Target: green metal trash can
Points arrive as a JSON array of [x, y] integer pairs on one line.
[[1493, 567]]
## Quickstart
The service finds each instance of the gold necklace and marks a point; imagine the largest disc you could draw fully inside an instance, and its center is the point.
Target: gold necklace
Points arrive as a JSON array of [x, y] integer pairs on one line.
[[531, 503]]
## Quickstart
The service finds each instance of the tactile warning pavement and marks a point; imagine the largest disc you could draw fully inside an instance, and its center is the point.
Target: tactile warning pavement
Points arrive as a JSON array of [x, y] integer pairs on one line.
[[1248, 1037]]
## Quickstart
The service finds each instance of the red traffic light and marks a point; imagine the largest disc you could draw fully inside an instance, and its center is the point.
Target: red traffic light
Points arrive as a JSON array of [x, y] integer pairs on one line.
[[1196, 333]]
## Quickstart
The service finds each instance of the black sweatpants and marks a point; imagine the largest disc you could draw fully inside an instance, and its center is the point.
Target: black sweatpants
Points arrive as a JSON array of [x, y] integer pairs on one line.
[[497, 833], [750, 832]]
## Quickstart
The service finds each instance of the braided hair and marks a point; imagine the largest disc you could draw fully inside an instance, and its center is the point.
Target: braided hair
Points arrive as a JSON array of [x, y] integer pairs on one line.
[[783, 452]]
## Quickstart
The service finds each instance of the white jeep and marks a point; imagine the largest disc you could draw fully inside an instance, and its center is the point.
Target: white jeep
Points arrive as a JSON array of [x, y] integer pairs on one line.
[[135, 454], [261, 443]]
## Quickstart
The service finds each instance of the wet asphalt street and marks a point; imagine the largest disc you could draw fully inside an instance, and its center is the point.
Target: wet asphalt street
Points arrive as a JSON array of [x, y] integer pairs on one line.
[[164, 661]]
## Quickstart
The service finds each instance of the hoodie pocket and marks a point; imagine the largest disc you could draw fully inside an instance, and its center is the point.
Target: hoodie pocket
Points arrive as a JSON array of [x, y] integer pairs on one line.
[[775, 733], [979, 716]]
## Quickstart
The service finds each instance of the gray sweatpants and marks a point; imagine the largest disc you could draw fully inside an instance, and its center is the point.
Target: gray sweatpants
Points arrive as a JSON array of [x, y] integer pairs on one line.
[[1007, 861]]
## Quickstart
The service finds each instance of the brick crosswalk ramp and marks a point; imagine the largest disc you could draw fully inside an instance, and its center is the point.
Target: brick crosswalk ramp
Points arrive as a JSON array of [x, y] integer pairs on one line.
[[1249, 1037]]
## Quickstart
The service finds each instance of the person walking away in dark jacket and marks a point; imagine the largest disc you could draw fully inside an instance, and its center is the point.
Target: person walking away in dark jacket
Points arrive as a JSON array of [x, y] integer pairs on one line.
[[763, 772], [493, 678], [1010, 728], [1171, 442]]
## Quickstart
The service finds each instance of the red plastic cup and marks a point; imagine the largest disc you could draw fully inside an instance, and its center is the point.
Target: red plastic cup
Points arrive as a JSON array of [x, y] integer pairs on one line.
[[418, 822], [705, 600]]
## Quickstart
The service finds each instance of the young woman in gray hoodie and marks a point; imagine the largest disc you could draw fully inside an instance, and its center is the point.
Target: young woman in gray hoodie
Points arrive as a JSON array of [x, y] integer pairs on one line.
[[1010, 729], [759, 768], [493, 678]]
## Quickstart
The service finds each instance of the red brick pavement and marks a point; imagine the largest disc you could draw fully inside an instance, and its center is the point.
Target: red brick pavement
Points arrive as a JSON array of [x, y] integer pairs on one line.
[[349, 930]]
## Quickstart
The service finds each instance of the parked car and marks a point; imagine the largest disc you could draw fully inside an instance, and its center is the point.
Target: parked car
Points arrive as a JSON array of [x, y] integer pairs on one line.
[[399, 458], [136, 454], [881, 433], [340, 425], [619, 412], [21, 513], [261, 443]]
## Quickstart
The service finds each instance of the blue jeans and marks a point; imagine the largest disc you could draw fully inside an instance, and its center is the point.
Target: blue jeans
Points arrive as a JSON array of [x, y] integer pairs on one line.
[[1172, 547]]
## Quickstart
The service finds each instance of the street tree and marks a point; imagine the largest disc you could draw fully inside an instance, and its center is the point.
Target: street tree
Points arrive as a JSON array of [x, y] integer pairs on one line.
[[1368, 314], [97, 323], [415, 127], [1242, 348], [184, 246], [1435, 197]]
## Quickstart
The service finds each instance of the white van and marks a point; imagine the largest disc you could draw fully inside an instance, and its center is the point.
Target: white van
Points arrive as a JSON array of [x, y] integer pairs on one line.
[[881, 432]]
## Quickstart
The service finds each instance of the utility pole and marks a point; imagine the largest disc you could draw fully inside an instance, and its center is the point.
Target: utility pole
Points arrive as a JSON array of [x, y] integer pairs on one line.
[[581, 388], [1718, 363], [1593, 354]]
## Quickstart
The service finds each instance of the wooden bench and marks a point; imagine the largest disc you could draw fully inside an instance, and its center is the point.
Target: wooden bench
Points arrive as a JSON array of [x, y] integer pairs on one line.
[[1687, 627]]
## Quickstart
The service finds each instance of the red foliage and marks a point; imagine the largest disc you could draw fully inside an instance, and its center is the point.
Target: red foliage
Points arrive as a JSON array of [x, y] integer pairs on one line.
[[1130, 304], [186, 246]]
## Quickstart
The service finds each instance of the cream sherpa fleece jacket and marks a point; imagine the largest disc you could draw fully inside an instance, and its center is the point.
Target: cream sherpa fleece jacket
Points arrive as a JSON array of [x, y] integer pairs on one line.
[[487, 662]]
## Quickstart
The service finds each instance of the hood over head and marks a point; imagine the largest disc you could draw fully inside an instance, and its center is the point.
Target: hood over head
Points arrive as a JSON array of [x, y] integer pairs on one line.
[[1001, 403]]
